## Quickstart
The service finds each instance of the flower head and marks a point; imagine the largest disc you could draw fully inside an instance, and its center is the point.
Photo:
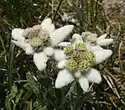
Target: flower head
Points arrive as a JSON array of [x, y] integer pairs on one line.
[[39, 40], [71, 65], [36, 35], [89, 37], [92, 37], [79, 59]]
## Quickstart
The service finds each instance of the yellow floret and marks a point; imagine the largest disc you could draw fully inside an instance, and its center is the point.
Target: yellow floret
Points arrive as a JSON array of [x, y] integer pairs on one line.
[[84, 65], [68, 50], [90, 57], [35, 42], [71, 64], [80, 46]]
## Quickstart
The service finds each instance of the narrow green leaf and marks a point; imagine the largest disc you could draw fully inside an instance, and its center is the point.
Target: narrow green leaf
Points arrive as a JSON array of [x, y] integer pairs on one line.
[[10, 66], [34, 84]]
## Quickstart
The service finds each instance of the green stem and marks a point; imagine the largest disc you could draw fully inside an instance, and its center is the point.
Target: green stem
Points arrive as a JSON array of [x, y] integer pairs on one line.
[[10, 66]]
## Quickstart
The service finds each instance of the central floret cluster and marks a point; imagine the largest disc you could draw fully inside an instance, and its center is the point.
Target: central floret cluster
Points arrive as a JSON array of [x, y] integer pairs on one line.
[[89, 37], [79, 58], [37, 36]]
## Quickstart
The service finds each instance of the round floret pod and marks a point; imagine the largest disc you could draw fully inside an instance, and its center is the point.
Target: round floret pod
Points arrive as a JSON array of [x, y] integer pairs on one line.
[[71, 65], [80, 46], [88, 36], [44, 35], [90, 57], [36, 42], [84, 65], [68, 50]]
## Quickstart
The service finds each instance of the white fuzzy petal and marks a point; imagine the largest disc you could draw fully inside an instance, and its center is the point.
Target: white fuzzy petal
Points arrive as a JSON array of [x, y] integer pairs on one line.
[[84, 83], [94, 76], [52, 28], [59, 55], [61, 64], [64, 44], [77, 74], [93, 48], [88, 46], [40, 60], [17, 34], [25, 46], [29, 50], [63, 78], [19, 44], [104, 42], [102, 37], [60, 34], [76, 38], [48, 51], [47, 25], [102, 55], [96, 48]]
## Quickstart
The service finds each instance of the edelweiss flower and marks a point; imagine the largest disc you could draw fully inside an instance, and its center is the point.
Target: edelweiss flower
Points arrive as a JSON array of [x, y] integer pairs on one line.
[[78, 62], [91, 37], [40, 40]]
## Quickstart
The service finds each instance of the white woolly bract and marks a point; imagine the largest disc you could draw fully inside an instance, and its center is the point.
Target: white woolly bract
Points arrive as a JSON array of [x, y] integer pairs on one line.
[[76, 39], [52, 28], [61, 64], [64, 44], [48, 51], [94, 76], [29, 50], [60, 34], [104, 42], [25, 46], [78, 74], [17, 34], [102, 37], [48, 26], [84, 83], [96, 48], [59, 55], [40, 60], [63, 78], [88, 46], [102, 55]]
